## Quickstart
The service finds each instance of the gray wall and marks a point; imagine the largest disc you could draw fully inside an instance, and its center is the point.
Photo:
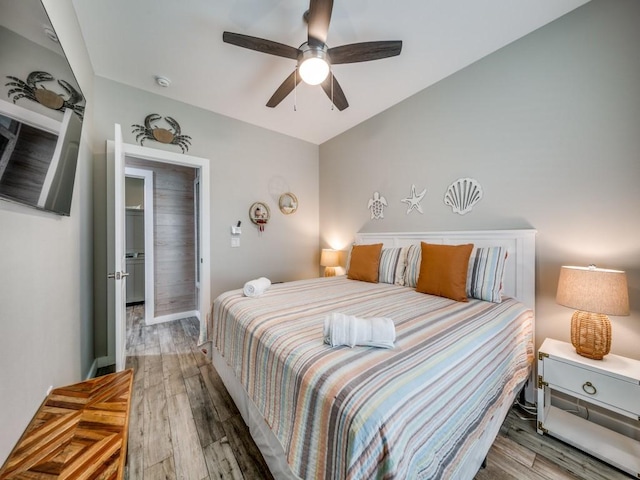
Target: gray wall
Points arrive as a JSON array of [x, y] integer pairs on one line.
[[549, 126], [46, 307], [248, 164], [19, 57]]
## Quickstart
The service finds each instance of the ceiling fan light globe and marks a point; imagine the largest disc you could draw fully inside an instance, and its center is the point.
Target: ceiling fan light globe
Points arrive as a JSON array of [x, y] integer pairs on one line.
[[314, 70]]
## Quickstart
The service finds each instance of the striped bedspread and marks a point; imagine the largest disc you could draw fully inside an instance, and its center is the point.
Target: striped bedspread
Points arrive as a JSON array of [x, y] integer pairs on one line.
[[353, 413]]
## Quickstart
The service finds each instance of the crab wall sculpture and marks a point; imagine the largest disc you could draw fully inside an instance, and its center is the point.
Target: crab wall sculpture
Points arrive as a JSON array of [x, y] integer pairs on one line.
[[34, 91], [162, 135]]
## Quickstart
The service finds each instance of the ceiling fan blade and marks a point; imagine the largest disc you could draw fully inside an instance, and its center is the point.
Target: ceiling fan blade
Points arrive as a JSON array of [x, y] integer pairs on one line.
[[260, 45], [318, 19], [284, 89], [337, 96], [364, 52]]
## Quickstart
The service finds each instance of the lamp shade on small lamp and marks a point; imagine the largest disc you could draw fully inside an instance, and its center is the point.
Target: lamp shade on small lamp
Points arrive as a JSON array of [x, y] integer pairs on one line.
[[594, 293], [330, 259]]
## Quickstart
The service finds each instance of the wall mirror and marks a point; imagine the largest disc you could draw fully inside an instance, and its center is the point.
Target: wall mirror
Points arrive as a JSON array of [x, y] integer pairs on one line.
[[288, 203], [41, 110]]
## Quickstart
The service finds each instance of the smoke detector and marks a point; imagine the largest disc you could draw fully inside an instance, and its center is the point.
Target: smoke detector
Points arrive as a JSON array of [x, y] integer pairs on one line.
[[163, 81]]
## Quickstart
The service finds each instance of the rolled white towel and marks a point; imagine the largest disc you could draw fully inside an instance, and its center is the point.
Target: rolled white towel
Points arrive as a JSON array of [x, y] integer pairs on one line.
[[341, 329], [257, 287]]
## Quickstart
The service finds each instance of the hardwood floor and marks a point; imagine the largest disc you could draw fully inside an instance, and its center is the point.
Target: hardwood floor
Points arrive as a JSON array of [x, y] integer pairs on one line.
[[184, 424]]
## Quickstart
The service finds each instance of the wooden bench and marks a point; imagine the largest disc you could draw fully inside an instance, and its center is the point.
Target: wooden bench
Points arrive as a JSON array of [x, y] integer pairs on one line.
[[80, 431]]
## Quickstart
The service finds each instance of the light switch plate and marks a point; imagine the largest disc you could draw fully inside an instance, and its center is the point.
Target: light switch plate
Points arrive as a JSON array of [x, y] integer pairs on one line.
[[235, 241]]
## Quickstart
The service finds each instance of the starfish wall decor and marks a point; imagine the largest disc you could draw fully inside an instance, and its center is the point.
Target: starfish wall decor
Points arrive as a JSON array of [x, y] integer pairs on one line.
[[413, 201]]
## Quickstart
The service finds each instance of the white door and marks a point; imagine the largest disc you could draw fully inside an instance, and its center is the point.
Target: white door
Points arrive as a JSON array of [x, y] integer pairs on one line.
[[119, 274]]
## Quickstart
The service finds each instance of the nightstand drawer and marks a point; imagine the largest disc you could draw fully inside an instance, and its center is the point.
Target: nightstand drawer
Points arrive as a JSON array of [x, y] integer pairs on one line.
[[590, 385]]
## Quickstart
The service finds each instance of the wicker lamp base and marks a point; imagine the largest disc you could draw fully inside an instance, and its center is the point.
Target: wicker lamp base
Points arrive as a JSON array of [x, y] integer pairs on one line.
[[591, 334], [329, 272]]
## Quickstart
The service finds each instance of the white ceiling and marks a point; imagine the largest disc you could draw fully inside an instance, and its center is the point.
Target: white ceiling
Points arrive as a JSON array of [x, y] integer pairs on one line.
[[132, 41], [28, 18]]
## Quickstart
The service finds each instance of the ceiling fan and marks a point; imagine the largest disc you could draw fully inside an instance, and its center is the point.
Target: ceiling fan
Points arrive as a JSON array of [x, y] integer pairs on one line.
[[314, 57]]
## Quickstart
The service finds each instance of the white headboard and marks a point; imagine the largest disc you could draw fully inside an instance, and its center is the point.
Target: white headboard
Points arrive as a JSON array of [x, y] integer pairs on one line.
[[519, 275]]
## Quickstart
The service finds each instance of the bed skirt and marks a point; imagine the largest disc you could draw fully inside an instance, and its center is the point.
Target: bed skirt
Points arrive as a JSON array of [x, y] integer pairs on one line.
[[264, 438]]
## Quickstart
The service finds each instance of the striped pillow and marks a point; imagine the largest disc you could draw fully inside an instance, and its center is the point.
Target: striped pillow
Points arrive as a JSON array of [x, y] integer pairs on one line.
[[392, 265], [484, 277], [411, 273]]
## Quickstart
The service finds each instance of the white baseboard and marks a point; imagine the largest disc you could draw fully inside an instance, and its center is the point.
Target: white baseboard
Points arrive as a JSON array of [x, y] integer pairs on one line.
[[175, 316]]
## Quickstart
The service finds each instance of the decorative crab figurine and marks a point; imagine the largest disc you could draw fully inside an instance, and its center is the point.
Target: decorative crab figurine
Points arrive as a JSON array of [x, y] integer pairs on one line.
[[31, 90], [162, 135]]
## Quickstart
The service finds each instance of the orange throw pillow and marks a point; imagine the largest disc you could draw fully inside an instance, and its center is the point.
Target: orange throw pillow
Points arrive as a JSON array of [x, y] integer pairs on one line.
[[365, 260], [443, 270]]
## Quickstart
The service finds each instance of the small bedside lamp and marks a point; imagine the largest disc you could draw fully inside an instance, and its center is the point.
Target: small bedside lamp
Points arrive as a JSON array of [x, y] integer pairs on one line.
[[330, 259], [594, 293]]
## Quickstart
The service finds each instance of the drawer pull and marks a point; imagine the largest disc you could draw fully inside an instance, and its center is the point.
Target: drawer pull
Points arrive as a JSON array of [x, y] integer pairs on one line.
[[589, 389]]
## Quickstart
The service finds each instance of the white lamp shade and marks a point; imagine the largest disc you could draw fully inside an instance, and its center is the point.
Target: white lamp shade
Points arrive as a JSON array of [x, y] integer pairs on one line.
[[596, 290], [330, 258]]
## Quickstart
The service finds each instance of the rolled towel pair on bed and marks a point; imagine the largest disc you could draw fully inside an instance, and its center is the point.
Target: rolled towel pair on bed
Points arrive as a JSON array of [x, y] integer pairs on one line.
[[341, 329], [257, 287]]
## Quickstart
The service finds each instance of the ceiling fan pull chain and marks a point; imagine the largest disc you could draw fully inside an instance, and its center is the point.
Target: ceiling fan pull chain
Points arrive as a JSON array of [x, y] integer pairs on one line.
[[295, 90]]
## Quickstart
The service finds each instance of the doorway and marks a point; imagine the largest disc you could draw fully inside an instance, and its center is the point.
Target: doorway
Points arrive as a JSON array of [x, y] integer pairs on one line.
[[116, 319], [175, 249]]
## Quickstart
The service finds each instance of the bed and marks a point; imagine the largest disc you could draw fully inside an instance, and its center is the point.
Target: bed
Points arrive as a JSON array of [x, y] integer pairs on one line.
[[428, 408]]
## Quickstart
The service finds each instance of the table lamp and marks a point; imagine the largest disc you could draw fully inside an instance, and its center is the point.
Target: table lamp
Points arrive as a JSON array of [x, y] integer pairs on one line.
[[594, 293], [330, 259]]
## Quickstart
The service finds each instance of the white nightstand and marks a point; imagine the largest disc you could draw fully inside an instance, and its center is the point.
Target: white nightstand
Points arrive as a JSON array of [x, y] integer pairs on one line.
[[612, 383]]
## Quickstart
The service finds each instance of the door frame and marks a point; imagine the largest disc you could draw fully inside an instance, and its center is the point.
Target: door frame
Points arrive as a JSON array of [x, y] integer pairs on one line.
[[204, 293]]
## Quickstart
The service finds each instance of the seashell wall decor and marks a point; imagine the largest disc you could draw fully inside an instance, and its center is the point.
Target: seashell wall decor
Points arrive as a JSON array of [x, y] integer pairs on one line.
[[463, 194]]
